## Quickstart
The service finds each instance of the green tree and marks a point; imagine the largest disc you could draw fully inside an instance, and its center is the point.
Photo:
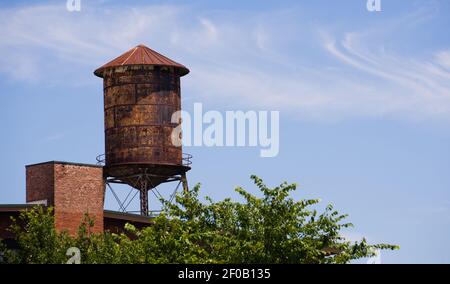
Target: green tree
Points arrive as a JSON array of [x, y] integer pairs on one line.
[[38, 240], [273, 228]]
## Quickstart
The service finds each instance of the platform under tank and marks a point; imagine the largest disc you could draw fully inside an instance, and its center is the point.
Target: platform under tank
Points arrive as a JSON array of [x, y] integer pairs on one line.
[[141, 92]]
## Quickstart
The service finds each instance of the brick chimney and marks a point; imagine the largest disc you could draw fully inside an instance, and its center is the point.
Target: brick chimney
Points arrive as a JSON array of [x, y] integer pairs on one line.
[[71, 189]]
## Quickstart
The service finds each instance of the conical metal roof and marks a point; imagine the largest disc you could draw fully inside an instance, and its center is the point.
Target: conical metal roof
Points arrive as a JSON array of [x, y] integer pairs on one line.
[[141, 55]]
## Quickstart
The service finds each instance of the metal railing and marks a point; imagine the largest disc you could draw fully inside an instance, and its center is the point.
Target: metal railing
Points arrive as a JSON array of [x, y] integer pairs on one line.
[[100, 159], [186, 159]]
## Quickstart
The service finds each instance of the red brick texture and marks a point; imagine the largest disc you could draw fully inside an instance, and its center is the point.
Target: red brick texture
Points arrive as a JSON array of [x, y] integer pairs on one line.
[[72, 189], [40, 183]]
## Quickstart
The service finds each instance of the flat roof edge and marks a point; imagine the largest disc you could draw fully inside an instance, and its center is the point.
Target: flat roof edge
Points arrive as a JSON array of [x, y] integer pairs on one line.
[[127, 217], [16, 207], [65, 163]]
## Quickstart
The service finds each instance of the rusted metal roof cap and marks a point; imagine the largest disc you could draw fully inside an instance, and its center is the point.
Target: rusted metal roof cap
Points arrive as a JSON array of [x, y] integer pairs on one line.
[[141, 55]]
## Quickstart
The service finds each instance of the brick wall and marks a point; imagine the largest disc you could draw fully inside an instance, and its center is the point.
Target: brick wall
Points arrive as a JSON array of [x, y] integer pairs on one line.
[[40, 183], [72, 189]]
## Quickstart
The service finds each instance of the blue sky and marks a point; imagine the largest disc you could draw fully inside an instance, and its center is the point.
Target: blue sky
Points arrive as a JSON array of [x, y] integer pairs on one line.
[[364, 99]]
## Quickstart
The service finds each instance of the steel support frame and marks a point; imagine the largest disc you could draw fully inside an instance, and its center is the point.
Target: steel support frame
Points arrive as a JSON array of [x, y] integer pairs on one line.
[[143, 185]]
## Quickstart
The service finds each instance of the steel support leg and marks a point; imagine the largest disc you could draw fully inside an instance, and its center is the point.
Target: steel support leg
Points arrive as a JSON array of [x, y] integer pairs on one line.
[[185, 183], [144, 198]]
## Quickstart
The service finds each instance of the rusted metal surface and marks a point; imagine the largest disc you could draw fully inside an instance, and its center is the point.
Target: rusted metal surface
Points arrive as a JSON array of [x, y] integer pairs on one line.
[[138, 125], [142, 55], [141, 92]]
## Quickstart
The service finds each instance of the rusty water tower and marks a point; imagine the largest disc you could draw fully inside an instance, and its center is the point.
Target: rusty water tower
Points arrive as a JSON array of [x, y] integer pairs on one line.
[[141, 92]]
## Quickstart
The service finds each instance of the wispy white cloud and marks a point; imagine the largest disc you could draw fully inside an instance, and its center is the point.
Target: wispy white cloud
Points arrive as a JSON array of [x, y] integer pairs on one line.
[[54, 39], [443, 59], [210, 30], [417, 85], [236, 60]]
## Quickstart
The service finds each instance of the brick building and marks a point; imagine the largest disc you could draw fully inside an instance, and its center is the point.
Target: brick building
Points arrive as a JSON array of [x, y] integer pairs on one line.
[[72, 189]]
